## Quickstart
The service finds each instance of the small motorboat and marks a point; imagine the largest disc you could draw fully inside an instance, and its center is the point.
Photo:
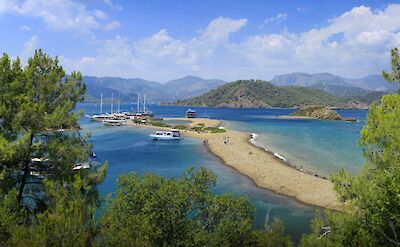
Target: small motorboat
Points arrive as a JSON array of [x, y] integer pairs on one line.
[[191, 113], [114, 122], [174, 134], [80, 166]]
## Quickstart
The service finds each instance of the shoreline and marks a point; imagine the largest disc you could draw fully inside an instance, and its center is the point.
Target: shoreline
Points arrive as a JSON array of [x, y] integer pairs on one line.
[[282, 159], [268, 171], [350, 120]]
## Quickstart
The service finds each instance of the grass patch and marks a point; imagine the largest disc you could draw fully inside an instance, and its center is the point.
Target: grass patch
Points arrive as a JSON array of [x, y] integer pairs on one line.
[[161, 124], [306, 111], [214, 130], [180, 127]]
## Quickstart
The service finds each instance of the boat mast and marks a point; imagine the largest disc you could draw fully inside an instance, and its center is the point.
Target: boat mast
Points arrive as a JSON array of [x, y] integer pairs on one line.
[[138, 103], [119, 103], [101, 104], [112, 100], [144, 103]]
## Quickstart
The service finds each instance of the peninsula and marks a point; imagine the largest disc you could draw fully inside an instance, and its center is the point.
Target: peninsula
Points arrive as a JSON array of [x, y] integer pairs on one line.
[[267, 170]]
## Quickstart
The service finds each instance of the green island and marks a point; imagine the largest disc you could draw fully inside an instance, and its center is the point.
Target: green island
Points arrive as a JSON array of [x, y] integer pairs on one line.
[[263, 94], [319, 112]]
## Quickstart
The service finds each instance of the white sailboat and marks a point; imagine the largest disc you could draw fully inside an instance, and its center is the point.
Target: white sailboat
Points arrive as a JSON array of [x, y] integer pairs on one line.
[[145, 112], [101, 115]]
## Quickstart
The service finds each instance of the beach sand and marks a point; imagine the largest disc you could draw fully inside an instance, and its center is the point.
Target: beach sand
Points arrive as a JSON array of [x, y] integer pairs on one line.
[[266, 170]]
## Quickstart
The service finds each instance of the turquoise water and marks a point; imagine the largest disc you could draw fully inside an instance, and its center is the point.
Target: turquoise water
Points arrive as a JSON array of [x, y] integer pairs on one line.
[[322, 146], [131, 150]]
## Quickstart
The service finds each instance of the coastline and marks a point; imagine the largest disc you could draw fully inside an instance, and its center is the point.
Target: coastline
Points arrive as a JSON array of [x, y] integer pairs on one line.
[[267, 170], [315, 118]]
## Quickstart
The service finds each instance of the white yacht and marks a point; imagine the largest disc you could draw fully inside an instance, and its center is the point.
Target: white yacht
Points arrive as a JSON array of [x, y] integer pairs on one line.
[[174, 134], [114, 122], [80, 166]]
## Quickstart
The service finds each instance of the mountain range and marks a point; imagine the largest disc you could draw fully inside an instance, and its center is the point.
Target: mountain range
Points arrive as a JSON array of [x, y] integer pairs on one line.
[[369, 83], [369, 88], [128, 89]]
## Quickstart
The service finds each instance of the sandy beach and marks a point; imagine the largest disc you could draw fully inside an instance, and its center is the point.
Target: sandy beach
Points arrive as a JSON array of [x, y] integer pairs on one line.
[[264, 168]]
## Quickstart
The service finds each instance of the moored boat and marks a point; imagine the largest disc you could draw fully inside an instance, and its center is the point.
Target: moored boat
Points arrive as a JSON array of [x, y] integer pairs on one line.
[[174, 134], [80, 166], [114, 122], [191, 113]]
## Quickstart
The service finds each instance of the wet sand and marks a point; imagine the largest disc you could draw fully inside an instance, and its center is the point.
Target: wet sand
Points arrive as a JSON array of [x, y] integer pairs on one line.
[[267, 170]]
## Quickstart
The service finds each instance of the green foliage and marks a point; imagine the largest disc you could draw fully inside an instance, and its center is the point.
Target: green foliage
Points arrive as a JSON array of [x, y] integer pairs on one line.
[[180, 127], [214, 130], [68, 221], [372, 217], [155, 211], [161, 124], [256, 93], [306, 111], [394, 76], [35, 100]]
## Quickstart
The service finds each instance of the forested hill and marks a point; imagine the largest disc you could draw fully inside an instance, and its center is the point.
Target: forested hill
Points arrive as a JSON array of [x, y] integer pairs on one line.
[[261, 94]]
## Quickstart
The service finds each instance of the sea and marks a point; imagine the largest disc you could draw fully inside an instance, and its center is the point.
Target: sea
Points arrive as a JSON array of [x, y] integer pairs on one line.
[[320, 146]]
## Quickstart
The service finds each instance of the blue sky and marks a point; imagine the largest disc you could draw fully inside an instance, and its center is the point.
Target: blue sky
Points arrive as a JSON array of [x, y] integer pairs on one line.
[[163, 40]]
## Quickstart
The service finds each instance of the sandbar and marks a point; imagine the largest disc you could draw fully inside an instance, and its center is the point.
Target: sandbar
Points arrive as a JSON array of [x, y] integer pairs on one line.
[[264, 168]]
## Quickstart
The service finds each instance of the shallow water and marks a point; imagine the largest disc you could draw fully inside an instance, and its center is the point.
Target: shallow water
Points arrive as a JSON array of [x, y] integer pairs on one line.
[[301, 141]]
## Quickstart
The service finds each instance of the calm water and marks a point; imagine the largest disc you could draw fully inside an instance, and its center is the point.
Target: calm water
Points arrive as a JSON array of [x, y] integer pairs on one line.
[[320, 145]]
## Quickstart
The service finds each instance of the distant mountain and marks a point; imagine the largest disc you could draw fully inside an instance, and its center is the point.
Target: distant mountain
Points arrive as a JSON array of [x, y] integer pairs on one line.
[[340, 90], [371, 82], [190, 86], [93, 93], [306, 80], [128, 88], [260, 94], [182, 88]]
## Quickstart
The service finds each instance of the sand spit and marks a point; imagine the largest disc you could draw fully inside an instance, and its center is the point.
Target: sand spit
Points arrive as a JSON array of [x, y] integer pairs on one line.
[[267, 170]]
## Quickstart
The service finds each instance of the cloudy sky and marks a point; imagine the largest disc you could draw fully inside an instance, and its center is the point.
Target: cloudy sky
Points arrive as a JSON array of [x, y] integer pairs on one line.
[[167, 39]]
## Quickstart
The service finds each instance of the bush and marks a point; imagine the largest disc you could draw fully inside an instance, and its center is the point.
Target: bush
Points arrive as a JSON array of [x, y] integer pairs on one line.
[[161, 124], [214, 130]]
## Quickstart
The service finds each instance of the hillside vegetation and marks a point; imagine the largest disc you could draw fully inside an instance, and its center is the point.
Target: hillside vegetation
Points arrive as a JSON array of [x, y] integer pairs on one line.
[[260, 94]]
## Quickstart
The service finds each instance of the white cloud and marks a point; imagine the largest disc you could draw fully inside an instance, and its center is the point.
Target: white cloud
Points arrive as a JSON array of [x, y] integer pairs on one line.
[[25, 28], [220, 28], [100, 14], [29, 47], [58, 15], [353, 44], [112, 25], [302, 9], [112, 5], [276, 19], [159, 56]]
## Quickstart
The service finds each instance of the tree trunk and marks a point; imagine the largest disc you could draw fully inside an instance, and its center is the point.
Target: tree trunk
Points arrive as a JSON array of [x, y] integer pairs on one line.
[[26, 170]]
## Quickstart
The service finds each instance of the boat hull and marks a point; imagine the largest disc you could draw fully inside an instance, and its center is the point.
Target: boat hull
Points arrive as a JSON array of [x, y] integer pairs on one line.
[[164, 138]]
